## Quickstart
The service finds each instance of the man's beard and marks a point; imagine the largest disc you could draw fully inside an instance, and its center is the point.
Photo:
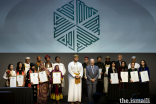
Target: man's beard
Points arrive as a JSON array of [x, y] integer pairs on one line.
[[39, 60], [75, 61]]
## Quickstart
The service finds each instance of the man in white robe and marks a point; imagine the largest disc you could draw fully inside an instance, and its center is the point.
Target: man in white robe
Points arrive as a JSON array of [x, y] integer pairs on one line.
[[27, 67], [27, 64], [137, 66], [61, 67], [75, 83]]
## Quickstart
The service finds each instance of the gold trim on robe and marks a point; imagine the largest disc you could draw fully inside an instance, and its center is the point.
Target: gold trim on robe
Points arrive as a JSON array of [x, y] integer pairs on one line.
[[77, 81]]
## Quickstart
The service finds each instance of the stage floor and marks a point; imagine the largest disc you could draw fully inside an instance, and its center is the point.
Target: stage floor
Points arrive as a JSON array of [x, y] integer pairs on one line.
[[102, 101], [85, 101]]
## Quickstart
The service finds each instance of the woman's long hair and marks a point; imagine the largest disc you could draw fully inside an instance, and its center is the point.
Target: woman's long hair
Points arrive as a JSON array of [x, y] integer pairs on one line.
[[22, 68], [112, 63], [125, 65], [9, 66], [144, 62]]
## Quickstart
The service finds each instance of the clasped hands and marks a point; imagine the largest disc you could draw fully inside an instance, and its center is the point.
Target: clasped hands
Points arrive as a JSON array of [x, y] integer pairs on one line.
[[92, 80], [77, 77]]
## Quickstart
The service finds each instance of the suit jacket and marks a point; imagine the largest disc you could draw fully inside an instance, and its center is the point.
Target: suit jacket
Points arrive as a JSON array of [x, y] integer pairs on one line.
[[101, 66], [90, 74]]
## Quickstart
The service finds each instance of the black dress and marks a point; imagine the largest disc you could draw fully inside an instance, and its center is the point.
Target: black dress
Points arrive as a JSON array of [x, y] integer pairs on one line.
[[34, 87], [144, 86], [132, 86], [84, 82], [113, 89], [123, 86], [100, 85]]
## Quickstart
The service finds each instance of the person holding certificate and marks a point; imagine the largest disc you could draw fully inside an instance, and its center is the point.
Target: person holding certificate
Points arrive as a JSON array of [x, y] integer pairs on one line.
[[133, 86], [48, 64], [20, 71], [84, 78], [113, 92], [100, 80], [56, 88], [123, 86], [31, 81], [144, 86], [61, 68], [43, 86], [8, 74]]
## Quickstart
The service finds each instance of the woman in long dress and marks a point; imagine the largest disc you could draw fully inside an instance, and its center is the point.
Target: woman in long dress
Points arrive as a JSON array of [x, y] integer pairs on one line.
[[133, 86], [113, 89], [43, 87], [9, 73], [56, 89], [123, 86], [144, 86], [20, 70], [34, 87]]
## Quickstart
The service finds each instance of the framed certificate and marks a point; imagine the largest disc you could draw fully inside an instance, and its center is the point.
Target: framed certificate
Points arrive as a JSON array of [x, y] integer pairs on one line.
[[34, 78], [114, 78], [100, 70], [56, 77], [20, 80], [134, 76], [12, 81], [144, 76], [43, 76], [124, 76]]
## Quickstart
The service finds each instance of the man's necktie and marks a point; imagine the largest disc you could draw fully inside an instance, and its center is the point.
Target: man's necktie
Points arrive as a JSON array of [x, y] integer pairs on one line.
[[92, 70]]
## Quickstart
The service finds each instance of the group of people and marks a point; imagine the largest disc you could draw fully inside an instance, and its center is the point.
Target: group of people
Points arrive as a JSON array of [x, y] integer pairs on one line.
[[84, 79]]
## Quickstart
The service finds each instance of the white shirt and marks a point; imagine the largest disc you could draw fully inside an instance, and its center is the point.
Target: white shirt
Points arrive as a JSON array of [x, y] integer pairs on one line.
[[62, 69], [137, 66]]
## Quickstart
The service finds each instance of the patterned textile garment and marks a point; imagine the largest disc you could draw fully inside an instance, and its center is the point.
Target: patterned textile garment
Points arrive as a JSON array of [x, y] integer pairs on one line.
[[42, 93], [56, 89]]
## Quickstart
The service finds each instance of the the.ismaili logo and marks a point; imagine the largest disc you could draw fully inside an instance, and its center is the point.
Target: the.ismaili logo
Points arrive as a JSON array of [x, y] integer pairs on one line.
[[76, 25]]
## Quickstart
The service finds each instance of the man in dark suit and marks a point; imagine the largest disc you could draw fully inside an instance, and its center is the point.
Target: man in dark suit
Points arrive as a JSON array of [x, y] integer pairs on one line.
[[118, 63], [92, 73]]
